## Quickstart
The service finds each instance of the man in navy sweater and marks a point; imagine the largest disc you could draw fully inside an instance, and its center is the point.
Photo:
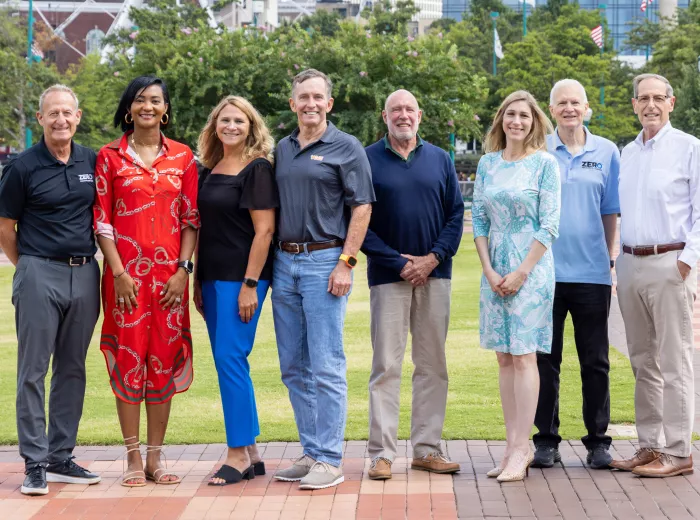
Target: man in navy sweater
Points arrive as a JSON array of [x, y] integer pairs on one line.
[[414, 232]]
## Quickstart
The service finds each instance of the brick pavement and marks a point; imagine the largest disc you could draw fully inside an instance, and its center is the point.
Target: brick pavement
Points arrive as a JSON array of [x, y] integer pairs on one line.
[[568, 491]]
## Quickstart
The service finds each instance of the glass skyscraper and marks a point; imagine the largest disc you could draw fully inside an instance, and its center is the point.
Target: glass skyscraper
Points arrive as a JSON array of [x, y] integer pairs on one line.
[[619, 14]]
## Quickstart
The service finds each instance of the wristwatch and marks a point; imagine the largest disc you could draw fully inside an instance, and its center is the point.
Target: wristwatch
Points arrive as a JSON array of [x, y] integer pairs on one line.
[[612, 264], [250, 282], [187, 265], [349, 260], [438, 256]]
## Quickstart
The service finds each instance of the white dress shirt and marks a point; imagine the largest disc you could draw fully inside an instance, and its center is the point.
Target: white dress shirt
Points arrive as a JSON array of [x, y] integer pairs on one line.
[[659, 192]]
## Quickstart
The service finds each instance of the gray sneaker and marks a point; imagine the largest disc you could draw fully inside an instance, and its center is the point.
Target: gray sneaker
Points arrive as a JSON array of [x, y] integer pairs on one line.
[[298, 470], [322, 475]]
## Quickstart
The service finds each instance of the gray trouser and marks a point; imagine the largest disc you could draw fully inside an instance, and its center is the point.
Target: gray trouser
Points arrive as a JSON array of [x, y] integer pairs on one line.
[[56, 308], [394, 308], [657, 308]]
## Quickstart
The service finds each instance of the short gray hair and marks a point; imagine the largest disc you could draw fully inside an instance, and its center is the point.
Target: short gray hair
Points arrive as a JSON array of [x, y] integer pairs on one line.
[[56, 88], [638, 79], [567, 83], [309, 74]]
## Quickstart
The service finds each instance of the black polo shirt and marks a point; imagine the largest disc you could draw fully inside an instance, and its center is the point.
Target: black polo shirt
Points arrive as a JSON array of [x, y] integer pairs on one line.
[[319, 184], [51, 201]]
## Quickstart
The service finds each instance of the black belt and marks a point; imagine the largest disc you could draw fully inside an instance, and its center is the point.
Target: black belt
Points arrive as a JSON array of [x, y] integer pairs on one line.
[[73, 261], [301, 247]]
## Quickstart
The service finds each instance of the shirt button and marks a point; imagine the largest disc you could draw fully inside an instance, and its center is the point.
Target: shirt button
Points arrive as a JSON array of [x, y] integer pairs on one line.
[[153, 241], [153, 219]]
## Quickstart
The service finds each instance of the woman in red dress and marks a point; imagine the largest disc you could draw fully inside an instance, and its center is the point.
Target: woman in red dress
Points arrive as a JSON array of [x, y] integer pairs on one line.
[[146, 222]]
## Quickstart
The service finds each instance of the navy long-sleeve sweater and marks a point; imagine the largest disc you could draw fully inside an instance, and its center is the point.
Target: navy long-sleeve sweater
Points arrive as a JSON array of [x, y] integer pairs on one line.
[[419, 210]]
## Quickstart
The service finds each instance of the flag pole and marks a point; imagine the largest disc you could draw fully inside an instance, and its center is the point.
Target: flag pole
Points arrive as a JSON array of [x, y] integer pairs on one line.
[[646, 12], [602, 8], [30, 59], [524, 18], [494, 15]]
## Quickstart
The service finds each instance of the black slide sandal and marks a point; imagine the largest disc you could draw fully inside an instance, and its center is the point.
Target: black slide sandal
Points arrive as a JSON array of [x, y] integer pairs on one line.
[[232, 475], [259, 468]]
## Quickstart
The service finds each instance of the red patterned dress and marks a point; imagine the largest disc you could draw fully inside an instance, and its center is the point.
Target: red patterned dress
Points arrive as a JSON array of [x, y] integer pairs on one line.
[[149, 352]]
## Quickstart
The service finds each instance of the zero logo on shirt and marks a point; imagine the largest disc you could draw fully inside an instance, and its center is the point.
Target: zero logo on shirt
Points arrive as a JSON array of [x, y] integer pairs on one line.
[[592, 165], [85, 177], [317, 157]]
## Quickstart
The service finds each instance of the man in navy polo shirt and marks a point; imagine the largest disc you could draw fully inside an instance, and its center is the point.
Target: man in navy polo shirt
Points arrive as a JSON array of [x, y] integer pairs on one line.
[[415, 230], [46, 198], [589, 167]]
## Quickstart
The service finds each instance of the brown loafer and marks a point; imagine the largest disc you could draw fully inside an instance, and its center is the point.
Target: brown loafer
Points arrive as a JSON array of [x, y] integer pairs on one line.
[[666, 466], [435, 463], [380, 469], [641, 457]]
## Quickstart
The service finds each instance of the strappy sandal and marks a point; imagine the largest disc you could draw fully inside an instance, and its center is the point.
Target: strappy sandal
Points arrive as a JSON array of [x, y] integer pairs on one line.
[[132, 475], [231, 475], [154, 476]]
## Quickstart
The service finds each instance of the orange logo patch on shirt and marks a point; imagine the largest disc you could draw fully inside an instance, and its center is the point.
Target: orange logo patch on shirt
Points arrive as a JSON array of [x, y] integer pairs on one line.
[[317, 157]]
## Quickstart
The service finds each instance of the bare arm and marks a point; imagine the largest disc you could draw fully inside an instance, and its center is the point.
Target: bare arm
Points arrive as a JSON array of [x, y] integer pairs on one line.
[[357, 229], [264, 224], [340, 280], [610, 227], [8, 239]]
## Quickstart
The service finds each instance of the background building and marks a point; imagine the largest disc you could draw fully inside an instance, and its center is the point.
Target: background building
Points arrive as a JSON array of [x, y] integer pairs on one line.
[[619, 13]]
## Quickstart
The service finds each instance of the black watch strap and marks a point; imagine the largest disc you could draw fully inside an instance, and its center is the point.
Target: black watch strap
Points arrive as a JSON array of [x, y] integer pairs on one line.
[[438, 256], [187, 265], [250, 282], [612, 263]]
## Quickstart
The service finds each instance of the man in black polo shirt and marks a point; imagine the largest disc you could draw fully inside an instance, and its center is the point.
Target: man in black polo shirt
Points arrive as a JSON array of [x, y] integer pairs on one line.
[[46, 197], [325, 188]]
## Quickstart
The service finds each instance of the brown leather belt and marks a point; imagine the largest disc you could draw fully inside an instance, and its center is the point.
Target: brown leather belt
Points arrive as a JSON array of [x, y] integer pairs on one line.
[[307, 247], [653, 250]]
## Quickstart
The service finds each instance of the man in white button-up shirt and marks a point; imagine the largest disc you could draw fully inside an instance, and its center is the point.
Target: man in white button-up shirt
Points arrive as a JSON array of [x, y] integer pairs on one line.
[[657, 279]]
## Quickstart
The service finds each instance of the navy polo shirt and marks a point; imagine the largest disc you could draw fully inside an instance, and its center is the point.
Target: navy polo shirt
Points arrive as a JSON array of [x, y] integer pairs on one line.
[[589, 182], [319, 184], [51, 201]]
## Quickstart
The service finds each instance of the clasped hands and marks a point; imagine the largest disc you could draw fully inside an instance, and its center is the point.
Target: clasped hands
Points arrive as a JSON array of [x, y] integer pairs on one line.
[[418, 268], [506, 285]]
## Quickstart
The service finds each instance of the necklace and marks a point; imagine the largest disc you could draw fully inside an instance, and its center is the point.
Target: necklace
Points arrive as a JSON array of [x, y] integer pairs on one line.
[[134, 143], [515, 159]]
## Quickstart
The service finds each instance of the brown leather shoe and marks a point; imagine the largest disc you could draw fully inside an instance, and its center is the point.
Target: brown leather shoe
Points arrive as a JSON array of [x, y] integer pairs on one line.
[[666, 466], [640, 458], [380, 469], [435, 463]]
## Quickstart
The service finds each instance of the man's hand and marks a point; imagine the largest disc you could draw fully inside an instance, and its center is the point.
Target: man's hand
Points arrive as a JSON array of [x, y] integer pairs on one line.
[[419, 268], [340, 280], [683, 269]]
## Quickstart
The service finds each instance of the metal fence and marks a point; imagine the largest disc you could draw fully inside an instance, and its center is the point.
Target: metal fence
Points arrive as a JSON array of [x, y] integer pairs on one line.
[[467, 190]]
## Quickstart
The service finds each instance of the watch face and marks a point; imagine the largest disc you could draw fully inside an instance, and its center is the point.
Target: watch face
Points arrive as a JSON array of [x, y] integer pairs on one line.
[[352, 261], [251, 283]]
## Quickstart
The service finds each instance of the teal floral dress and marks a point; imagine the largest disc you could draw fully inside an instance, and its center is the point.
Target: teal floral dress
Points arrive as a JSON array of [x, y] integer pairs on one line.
[[514, 204]]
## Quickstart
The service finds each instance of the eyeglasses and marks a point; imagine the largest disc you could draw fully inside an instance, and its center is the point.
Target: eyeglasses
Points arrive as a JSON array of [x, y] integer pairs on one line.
[[658, 100]]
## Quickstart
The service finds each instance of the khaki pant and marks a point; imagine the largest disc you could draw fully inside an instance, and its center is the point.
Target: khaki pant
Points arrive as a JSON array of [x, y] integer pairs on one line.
[[657, 308], [394, 308]]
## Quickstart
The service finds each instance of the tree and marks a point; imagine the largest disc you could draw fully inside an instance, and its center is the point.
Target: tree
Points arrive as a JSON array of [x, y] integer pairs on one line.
[[21, 83], [325, 22], [386, 17], [686, 114]]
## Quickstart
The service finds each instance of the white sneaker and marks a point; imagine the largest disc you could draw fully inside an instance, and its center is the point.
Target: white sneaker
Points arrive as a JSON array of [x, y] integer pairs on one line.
[[298, 470], [322, 475]]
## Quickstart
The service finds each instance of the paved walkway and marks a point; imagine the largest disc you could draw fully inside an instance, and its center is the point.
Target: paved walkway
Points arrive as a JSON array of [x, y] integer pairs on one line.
[[568, 491]]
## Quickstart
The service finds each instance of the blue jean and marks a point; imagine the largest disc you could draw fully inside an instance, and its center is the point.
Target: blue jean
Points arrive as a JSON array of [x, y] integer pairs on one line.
[[231, 344], [309, 327]]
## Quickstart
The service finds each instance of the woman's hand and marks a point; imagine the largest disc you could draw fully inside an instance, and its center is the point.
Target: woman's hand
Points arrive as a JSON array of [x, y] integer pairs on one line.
[[247, 303], [494, 280], [197, 297], [125, 292], [512, 282], [174, 289]]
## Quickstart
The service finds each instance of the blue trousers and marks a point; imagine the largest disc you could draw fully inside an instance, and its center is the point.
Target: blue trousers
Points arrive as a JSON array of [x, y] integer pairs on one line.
[[231, 343]]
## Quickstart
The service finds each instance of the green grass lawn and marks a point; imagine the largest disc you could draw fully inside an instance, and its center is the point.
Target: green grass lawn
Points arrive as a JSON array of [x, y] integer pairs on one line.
[[473, 407]]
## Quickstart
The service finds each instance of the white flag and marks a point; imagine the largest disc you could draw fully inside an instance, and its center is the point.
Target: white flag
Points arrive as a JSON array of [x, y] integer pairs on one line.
[[497, 45]]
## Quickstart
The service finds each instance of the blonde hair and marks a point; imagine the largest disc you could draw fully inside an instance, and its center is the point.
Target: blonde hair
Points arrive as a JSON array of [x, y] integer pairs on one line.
[[495, 140], [258, 144]]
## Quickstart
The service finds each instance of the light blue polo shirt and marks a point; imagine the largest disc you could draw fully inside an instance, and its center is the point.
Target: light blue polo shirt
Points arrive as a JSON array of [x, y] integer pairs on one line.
[[589, 183]]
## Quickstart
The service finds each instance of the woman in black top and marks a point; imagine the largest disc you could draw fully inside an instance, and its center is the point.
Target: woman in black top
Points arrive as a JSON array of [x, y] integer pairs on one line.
[[237, 200]]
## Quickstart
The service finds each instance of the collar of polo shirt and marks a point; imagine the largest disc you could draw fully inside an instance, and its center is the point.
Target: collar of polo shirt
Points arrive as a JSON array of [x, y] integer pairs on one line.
[[44, 157], [588, 147], [328, 136]]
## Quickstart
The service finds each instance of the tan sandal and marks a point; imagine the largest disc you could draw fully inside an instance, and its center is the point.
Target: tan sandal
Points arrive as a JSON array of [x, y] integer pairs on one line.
[[154, 476], [132, 475]]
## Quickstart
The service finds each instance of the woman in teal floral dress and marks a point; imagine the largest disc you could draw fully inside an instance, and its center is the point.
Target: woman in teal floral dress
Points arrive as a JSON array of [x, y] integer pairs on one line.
[[516, 218]]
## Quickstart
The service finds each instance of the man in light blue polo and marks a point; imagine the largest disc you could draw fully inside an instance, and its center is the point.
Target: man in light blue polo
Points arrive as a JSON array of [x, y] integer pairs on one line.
[[589, 167]]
